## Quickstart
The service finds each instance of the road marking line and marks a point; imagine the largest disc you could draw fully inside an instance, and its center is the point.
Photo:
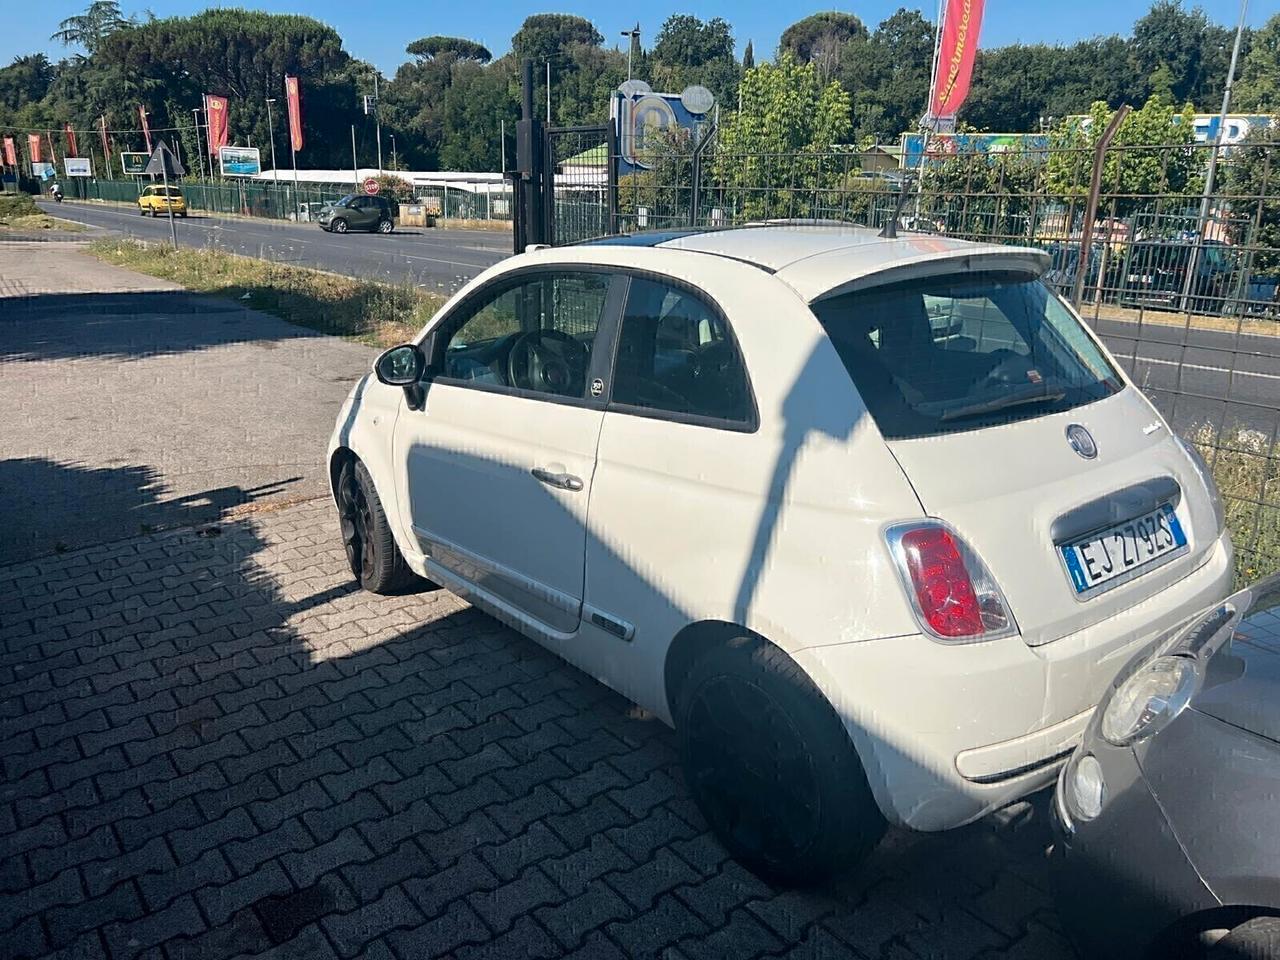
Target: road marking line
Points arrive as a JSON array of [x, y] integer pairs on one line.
[[1197, 366]]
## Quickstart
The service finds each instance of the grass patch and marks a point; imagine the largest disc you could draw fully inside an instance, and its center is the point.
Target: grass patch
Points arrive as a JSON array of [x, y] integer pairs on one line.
[[17, 205], [1246, 466], [377, 313], [30, 223]]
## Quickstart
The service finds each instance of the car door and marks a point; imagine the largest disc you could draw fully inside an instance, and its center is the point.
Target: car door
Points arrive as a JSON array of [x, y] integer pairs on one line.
[[495, 469]]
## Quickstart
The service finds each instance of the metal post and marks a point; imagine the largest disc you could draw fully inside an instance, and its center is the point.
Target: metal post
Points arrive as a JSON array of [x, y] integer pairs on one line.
[[1091, 207], [195, 117], [355, 169], [1206, 198], [548, 92], [632, 36], [377, 120], [271, 133], [297, 210], [164, 173], [394, 165], [502, 146]]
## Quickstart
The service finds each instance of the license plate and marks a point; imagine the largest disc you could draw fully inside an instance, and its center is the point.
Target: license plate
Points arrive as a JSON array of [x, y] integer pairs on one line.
[[1121, 552]]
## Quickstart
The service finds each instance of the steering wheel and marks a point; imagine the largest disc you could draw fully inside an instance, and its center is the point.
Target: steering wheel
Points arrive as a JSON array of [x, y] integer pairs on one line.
[[548, 361]]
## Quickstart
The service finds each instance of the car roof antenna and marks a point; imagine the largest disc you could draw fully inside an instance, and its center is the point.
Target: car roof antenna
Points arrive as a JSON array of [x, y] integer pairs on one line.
[[890, 229]]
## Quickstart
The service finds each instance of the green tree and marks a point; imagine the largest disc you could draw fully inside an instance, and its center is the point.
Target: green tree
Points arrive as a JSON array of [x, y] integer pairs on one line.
[[1259, 84], [429, 48], [1172, 37], [748, 57], [889, 81], [26, 80], [545, 36], [1252, 182], [785, 133], [825, 40], [688, 51], [100, 20]]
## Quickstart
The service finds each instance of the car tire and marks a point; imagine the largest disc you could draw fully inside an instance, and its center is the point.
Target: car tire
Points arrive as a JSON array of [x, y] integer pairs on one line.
[[771, 767], [371, 549], [385, 226], [338, 226], [142, 211], [1256, 939]]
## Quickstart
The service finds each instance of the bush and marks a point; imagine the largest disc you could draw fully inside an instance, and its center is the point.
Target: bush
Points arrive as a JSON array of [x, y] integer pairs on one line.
[[1247, 469], [20, 205]]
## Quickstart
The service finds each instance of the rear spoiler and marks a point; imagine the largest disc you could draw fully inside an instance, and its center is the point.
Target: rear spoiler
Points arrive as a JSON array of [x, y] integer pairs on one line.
[[992, 258]]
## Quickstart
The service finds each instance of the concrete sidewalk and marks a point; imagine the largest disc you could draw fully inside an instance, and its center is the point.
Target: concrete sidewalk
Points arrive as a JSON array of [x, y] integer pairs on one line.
[[136, 406]]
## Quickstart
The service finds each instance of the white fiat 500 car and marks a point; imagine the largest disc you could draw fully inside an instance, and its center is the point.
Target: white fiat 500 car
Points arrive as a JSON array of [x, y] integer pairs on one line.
[[871, 522]]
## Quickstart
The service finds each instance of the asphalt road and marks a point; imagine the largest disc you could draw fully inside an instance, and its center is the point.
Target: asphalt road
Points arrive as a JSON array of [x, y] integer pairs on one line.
[[435, 258], [1194, 376]]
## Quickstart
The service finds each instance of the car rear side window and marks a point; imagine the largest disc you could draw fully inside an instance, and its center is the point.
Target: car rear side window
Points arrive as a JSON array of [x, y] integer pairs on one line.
[[964, 351], [675, 355]]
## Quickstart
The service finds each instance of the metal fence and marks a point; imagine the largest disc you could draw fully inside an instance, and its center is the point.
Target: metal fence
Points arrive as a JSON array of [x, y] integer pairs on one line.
[[1181, 284]]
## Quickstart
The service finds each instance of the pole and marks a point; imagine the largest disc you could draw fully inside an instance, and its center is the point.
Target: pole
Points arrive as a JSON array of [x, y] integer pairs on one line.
[[377, 120], [1091, 206], [355, 170], [1207, 197], [106, 149], [502, 145], [271, 132], [195, 119], [548, 93], [164, 173], [394, 165], [297, 210]]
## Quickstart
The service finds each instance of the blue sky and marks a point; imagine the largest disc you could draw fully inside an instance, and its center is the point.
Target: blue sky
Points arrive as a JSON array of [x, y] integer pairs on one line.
[[379, 29]]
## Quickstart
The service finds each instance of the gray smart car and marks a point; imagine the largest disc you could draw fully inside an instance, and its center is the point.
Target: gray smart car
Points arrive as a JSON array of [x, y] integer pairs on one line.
[[1167, 816]]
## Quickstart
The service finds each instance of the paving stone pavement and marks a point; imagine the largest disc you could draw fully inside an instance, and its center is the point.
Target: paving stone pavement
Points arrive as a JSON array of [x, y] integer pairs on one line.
[[213, 746]]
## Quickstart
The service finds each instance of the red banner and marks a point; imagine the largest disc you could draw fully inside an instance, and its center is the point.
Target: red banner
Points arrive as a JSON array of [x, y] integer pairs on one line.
[[146, 129], [33, 147], [72, 149], [10, 152], [960, 27], [215, 109], [294, 97], [53, 151]]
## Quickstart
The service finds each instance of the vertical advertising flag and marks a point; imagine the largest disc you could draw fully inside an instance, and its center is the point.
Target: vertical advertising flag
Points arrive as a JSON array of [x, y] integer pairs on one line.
[[106, 148], [293, 96], [33, 147], [960, 26], [146, 129], [10, 152], [72, 149], [215, 109], [53, 148]]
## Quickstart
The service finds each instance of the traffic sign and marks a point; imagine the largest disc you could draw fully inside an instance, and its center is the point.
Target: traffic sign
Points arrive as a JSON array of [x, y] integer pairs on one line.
[[371, 186]]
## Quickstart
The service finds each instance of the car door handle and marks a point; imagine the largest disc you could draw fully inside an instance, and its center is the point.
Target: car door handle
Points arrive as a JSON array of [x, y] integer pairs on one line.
[[564, 481]]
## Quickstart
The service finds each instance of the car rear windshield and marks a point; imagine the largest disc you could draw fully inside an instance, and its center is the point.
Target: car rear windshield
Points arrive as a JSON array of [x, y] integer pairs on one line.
[[964, 351]]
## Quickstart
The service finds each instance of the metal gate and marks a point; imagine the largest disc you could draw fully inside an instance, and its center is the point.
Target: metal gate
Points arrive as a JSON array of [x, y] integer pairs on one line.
[[580, 185]]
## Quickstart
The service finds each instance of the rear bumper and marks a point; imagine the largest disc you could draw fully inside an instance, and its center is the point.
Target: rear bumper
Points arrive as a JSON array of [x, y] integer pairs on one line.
[[948, 733]]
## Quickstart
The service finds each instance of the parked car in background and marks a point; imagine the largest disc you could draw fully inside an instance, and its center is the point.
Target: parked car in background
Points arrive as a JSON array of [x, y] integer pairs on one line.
[[872, 522], [358, 211], [1167, 817], [157, 201], [1153, 273]]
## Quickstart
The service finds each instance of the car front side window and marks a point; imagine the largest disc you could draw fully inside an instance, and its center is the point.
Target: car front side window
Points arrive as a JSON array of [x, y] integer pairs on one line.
[[536, 335]]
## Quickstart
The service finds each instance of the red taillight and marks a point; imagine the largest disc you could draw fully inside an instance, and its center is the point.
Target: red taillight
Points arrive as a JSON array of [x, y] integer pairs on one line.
[[942, 584], [953, 594]]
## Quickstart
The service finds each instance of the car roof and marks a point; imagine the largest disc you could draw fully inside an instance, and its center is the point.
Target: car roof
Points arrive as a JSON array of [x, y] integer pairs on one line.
[[823, 259]]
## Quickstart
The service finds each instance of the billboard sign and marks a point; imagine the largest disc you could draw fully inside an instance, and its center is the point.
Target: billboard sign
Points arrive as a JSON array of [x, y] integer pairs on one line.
[[134, 164], [43, 171], [647, 120], [944, 145], [239, 161], [78, 166]]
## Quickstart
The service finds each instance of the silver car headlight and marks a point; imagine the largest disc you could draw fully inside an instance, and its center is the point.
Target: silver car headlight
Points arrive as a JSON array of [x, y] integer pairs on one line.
[[1150, 699]]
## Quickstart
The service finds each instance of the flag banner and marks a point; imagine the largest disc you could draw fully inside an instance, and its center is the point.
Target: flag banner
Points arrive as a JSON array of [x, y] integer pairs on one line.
[[960, 27], [293, 96], [53, 152], [106, 147], [215, 109], [73, 150], [33, 147], [10, 152], [146, 129]]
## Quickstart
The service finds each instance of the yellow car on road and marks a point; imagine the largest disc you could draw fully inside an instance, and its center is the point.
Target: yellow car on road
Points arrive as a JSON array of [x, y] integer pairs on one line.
[[158, 201]]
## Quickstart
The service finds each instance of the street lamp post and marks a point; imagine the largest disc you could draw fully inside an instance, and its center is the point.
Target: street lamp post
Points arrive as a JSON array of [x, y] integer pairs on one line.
[[394, 165], [271, 135], [633, 34]]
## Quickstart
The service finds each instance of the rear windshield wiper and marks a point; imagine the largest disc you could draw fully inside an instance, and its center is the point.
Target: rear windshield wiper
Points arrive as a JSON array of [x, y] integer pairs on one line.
[[1001, 403]]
